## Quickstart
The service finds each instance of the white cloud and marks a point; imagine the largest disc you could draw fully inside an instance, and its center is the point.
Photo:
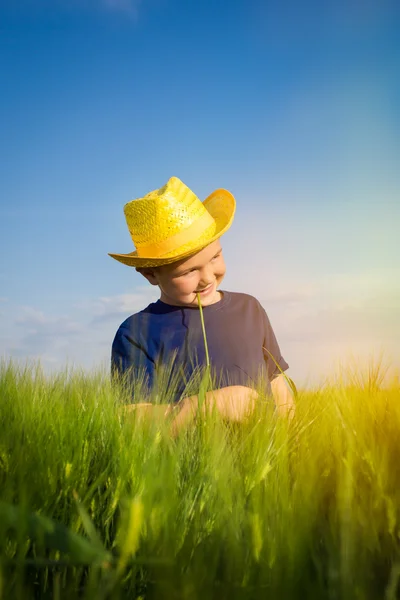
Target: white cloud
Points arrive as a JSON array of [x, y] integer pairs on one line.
[[83, 340], [318, 322], [322, 321], [34, 335], [34, 320], [111, 308]]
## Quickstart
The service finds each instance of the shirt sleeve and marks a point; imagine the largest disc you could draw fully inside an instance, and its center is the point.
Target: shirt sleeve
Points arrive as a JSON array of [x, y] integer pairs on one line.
[[272, 353], [130, 361]]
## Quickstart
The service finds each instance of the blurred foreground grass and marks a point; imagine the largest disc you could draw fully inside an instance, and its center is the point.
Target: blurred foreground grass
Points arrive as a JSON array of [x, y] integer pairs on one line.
[[97, 504]]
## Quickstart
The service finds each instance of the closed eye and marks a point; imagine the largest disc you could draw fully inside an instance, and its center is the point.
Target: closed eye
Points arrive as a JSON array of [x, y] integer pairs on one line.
[[195, 268], [186, 272]]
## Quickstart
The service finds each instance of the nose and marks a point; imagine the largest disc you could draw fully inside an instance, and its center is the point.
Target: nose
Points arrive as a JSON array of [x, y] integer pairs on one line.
[[206, 277]]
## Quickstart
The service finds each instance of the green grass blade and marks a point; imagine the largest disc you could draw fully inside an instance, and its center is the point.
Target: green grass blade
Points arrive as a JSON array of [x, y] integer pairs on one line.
[[52, 535]]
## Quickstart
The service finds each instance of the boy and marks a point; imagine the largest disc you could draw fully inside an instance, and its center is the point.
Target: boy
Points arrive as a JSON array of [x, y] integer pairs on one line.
[[178, 249]]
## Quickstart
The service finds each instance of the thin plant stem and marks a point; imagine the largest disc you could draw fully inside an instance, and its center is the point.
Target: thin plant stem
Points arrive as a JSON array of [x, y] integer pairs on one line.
[[205, 381], [204, 331], [288, 379]]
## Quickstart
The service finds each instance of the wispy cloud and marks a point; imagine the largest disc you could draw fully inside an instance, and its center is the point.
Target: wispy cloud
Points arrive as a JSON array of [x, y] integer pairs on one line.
[[83, 339], [318, 322], [129, 7], [44, 337], [115, 308], [322, 321]]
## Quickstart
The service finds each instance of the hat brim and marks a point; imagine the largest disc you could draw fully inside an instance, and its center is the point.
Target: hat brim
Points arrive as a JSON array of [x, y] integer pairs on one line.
[[220, 204]]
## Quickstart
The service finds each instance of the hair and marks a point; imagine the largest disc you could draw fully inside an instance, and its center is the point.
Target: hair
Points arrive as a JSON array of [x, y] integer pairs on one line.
[[140, 269]]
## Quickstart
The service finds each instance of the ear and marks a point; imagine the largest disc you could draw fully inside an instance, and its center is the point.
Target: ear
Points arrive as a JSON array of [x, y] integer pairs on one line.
[[149, 274]]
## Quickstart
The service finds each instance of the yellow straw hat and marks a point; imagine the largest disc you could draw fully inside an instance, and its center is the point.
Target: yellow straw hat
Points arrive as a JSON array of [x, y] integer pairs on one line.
[[171, 223]]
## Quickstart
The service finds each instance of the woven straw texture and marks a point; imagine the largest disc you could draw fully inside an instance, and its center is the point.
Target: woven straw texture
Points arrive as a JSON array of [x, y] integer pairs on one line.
[[171, 223]]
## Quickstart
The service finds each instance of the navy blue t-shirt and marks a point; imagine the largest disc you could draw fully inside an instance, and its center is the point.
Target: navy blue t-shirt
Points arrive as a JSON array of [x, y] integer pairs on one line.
[[165, 344]]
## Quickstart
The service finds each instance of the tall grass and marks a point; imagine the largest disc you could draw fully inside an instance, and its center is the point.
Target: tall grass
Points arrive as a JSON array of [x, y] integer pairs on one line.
[[96, 503]]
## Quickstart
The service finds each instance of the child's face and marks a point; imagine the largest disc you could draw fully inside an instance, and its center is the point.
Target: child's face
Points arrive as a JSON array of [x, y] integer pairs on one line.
[[179, 282]]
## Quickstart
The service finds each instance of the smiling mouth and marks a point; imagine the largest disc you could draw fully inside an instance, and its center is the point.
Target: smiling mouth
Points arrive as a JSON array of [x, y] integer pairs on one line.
[[205, 289]]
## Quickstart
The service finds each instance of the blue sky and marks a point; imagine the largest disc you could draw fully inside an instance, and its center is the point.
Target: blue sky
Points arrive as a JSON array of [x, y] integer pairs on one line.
[[294, 107]]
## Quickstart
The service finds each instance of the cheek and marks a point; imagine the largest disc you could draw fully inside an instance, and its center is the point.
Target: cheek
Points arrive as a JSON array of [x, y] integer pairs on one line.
[[186, 285], [220, 269]]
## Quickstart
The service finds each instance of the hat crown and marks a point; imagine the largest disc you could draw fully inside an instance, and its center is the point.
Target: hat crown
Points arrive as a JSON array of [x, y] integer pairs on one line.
[[163, 215], [171, 223]]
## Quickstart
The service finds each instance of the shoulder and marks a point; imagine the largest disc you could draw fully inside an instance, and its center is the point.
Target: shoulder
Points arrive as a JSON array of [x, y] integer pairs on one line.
[[134, 322], [245, 301], [124, 332], [249, 304], [130, 323], [147, 322], [242, 298]]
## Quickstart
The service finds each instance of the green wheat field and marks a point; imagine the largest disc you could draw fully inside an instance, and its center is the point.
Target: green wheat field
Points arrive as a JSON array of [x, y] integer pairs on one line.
[[98, 504]]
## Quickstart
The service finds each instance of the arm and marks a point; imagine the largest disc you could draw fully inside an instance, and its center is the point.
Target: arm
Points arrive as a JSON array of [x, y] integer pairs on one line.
[[275, 365], [234, 403], [283, 396], [131, 366]]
